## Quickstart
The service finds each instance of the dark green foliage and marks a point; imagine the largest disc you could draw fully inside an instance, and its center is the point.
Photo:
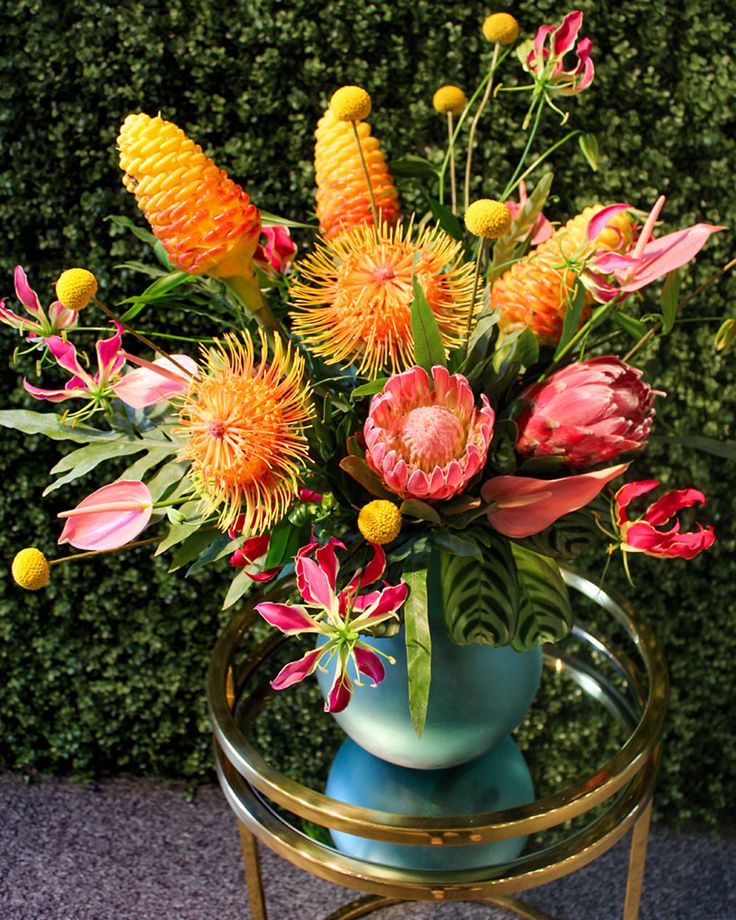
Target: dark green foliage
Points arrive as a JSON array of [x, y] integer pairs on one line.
[[105, 670]]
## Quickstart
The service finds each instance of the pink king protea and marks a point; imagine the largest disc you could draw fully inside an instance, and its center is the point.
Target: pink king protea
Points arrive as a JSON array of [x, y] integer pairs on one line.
[[586, 413], [425, 437]]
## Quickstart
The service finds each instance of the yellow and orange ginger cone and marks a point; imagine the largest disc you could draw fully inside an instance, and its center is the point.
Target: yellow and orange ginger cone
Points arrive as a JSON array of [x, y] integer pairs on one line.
[[343, 201], [534, 292], [204, 220]]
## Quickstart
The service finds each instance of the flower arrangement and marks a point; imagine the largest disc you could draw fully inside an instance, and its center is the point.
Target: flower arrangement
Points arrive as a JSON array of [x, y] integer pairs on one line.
[[415, 415]]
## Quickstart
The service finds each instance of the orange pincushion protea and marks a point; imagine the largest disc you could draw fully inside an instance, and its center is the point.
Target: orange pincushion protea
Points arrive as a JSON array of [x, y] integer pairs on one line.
[[534, 292], [204, 220], [244, 421], [343, 201], [352, 304]]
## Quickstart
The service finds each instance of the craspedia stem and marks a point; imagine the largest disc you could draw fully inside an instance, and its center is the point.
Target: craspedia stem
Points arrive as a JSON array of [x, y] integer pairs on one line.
[[374, 209], [451, 144], [474, 123], [141, 338], [101, 552], [476, 281]]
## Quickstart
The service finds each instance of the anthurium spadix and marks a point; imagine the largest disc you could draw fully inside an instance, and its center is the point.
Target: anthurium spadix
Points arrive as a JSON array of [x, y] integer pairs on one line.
[[108, 518]]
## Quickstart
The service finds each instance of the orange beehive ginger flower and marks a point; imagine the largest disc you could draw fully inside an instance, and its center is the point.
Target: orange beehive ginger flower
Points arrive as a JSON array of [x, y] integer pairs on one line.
[[204, 220], [343, 201], [534, 292]]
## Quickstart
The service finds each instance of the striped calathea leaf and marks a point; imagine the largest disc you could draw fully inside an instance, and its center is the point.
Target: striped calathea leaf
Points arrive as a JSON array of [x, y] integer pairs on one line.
[[545, 614], [570, 536], [480, 591]]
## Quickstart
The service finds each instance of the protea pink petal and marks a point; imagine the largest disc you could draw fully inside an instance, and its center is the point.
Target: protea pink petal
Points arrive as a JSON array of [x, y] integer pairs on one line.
[[158, 381], [626, 494], [295, 671], [522, 506], [291, 619], [664, 509], [369, 664], [314, 583], [564, 36], [108, 518], [26, 295]]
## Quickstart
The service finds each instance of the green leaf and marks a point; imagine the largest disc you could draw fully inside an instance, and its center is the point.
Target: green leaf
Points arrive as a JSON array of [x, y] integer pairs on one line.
[[428, 347], [512, 245], [457, 545], [669, 300], [725, 449], [140, 232], [220, 546], [420, 510], [545, 614], [286, 538], [240, 585], [362, 473], [568, 537], [273, 220], [418, 647], [180, 532], [368, 389], [481, 601], [573, 314], [169, 476], [446, 219], [591, 151], [413, 167], [635, 327], [83, 459], [50, 425], [158, 290], [193, 546], [147, 462]]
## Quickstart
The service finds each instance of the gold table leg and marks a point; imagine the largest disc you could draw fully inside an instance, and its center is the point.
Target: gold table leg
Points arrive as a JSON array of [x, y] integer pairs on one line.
[[637, 859], [252, 866]]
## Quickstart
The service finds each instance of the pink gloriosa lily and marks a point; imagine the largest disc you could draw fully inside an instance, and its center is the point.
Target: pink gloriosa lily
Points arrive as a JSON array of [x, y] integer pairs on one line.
[[110, 517], [154, 381], [650, 258], [642, 534], [542, 228], [340, 617], [40, 325], [278, 250], [546, 60], [253, 548], [521, 506], [96, 388]]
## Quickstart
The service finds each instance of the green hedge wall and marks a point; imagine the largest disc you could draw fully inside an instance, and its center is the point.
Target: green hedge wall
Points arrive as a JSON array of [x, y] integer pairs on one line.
[[105, 670]]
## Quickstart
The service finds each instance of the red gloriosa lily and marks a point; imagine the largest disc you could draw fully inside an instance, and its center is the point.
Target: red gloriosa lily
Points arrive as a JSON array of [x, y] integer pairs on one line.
[[642, 534], [340, 617]]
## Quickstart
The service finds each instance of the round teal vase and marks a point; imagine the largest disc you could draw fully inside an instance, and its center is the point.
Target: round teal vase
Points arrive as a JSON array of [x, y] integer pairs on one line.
[[477, 696], [496, 780]]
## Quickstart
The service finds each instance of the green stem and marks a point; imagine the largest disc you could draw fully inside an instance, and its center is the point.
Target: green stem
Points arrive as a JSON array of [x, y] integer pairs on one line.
[[99, 552], [474, 123], [374, 209], [471, 308], [542, 158], [248, 292], [451, 148], [539, 103]]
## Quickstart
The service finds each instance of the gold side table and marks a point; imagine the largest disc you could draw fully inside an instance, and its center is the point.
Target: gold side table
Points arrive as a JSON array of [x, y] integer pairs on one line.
[[586, 818]]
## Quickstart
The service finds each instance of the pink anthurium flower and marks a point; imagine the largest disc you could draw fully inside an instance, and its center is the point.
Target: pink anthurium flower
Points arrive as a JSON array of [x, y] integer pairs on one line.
[[41, 325], [650, 258], [542, 228], [521, 506], [340, 616], [110, 517], [154, 381], [97, 388], [546, 60], [642, 534]]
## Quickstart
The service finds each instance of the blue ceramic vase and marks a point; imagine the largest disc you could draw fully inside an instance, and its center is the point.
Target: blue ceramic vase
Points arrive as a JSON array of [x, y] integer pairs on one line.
[[478, 695]]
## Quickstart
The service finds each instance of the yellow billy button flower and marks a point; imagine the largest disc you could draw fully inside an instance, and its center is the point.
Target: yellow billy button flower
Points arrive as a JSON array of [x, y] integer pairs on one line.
[[30, 569], [350, 103], [75, 288], [449, 99], [379, 521], [501, 29], [488, 218]]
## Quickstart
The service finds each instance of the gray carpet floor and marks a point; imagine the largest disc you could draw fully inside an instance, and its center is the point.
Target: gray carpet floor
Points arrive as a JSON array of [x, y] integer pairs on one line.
[[135, 849]]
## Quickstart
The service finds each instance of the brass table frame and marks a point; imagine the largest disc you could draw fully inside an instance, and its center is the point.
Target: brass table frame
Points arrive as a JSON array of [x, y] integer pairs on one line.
[[624, 785]]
